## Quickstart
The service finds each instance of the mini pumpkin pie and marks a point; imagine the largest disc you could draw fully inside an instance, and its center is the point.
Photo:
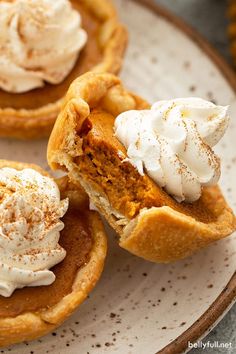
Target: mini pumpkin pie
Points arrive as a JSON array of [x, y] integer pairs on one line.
[[43, 48], [48, 265], [150, 171]]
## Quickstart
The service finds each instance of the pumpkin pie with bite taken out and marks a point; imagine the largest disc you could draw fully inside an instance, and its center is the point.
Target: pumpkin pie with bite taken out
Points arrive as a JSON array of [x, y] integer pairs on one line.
[[151, 171]]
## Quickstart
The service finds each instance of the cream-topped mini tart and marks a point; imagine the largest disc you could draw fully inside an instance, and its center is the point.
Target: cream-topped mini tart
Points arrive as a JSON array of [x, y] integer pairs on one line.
[[52, 251], [43, 49], [151, 171]]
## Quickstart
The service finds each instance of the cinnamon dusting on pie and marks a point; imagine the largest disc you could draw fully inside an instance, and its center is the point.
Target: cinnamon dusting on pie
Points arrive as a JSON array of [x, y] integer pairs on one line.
[[103, 164], [77, 240]]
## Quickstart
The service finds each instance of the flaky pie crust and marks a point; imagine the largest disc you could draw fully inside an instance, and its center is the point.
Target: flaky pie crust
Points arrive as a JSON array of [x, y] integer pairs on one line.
[[31, 325], [38, 123], [159, 234]]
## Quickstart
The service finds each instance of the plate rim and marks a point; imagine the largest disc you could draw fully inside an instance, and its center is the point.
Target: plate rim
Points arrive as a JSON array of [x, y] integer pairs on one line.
[[205, 323]]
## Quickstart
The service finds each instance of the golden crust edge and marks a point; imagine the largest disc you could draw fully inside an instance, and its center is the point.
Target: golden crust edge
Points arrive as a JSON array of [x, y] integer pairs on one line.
[[32, 325], [164, 235], [87, 89], [60, 155], [38, 123]]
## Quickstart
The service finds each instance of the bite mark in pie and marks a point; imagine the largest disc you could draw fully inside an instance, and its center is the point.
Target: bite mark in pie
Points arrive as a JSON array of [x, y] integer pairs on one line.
[[150, 223]]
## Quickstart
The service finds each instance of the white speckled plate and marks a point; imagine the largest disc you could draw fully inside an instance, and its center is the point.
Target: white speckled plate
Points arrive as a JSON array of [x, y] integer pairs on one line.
[[139, 307]]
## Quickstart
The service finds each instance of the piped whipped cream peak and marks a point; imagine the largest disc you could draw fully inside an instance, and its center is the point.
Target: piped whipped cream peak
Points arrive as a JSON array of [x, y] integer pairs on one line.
[[30, 212], [172, 142], [40, 41]]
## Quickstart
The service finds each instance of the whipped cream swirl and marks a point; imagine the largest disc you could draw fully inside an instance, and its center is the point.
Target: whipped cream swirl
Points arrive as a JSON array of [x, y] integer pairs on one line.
[[30, 212], [173, 143], [40, 41]]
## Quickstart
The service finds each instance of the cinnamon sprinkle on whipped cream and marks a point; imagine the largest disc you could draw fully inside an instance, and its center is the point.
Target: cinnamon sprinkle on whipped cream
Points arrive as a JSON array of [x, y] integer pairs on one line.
[[172, 142], [30, 212], [39, 41]]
